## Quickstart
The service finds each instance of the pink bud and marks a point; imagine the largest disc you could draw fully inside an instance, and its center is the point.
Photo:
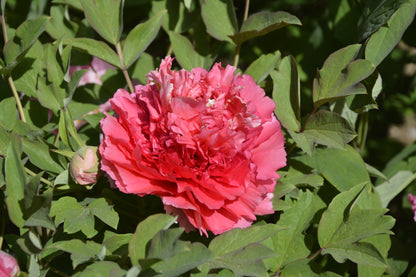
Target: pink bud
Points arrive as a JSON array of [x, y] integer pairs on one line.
[[8, 265], [84, 165]]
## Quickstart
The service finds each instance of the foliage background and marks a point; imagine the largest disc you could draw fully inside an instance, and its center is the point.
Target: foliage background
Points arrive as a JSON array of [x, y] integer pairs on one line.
[[52, 244]]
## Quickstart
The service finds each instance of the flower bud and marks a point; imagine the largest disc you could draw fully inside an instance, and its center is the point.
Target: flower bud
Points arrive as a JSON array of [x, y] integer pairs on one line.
[[84, 165], [8, 265]]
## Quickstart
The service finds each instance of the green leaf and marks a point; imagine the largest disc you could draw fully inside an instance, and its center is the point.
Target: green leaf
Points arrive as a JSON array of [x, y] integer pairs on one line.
[[392, 187], [341, 75], [262, 66], [286, 93], [145, 231], [102, 268], [186, 54], [303, 267], [49, 96], [15, 182], [143, 66], [360, 253], [53, 66], [95, 48], [74, 216], [337, 212], [7, 113], [342, 168], [113, 242], [140, 38], [247, 261], [164, 243], [26, 73], [41, 156], [104, 211], [4, 141], [261, 23], [290, 243], [237, 239], [106, 17], [37, 206], [72, 85], [26, 35], [59, 26], [288, 181], [375, 14], [195, 255], [80, 252], [385, 39], [364, 102], [330, 129], [219, 18], [341, 225]]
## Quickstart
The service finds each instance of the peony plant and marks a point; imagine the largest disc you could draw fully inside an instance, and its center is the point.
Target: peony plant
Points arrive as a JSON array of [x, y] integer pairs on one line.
[[206, 138]]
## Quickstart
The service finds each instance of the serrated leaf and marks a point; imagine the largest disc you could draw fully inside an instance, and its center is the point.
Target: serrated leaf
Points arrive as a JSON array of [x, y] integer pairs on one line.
[[286, 93], [145, 231], [95, 48], [382, 42], [360, 253], [330, 129], [186, 54], [341, 75], [262, 66], [104, 211], [106, 17], [140, 38], [26, 35], [219, 18], [392, 187], [261, 23], [15, 182]]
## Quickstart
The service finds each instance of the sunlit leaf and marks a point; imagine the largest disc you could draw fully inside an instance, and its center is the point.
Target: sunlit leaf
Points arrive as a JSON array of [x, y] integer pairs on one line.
[[341, 75], [219, 18], [286, 93], [106, 17], [140, 37], [261, 23]]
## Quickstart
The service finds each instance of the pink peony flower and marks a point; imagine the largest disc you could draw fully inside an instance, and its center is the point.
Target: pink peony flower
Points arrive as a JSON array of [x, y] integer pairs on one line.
[[96, 69], [8, 265], [206, 143], [412, 201]]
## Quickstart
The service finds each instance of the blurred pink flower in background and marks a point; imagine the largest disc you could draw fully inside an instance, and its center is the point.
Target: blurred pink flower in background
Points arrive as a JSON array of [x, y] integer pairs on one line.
[[96, 69], [207, 143], [412, 200], [8, 265]]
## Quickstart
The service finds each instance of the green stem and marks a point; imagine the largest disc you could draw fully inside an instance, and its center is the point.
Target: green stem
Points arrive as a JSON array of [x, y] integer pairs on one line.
[[30, 172], [10, 79], [123, 67], [237, 55], [246, 10]]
